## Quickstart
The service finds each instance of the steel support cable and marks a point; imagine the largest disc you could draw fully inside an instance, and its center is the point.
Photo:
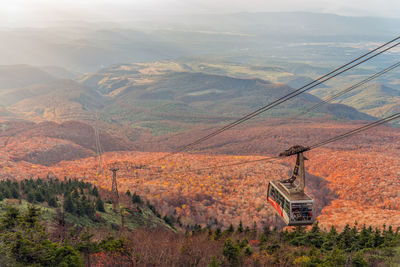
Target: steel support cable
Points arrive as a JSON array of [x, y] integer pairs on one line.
[[218, 166], [365, 127], [339, 137], [348, 89], [287, 97], [278, 102], [99, 148], [227, 165], [355, 131]]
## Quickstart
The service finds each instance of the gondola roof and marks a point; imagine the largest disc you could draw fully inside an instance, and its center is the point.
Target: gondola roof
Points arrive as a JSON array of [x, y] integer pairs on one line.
[[293, 196]]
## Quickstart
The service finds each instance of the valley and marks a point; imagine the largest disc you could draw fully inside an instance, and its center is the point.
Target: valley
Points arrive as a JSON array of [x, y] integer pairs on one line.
[[353, 180], [146, 133], [167, 97], [144, 110]]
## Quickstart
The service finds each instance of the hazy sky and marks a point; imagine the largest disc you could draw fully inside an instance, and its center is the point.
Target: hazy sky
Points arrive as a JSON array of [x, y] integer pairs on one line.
[[31, 12]]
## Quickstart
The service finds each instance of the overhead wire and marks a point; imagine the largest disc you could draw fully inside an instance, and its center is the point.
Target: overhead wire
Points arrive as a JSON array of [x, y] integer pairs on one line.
[[348, 89], [341, 93], [335, 96], [99, 148], [329, 99], [227, 165], [334, 139], [287, 97], [355, 131], [277, 102]]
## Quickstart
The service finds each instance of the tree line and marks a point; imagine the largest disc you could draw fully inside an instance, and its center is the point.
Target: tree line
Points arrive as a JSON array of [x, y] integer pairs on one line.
[[28, 239]]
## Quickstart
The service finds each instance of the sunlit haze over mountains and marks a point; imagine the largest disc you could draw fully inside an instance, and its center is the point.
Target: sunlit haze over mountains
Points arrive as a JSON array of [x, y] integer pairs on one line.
[[200, 133], [27, 13]]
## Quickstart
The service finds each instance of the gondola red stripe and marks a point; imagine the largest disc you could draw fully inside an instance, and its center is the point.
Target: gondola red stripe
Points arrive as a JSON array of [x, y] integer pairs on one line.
[[276, 206]]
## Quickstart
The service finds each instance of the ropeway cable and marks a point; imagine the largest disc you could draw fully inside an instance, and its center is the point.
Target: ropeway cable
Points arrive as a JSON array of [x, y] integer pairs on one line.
[[289, 96], [334, 139]]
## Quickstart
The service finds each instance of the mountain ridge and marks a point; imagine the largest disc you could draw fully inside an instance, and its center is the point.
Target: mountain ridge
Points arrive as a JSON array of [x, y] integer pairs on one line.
[[160, 97]]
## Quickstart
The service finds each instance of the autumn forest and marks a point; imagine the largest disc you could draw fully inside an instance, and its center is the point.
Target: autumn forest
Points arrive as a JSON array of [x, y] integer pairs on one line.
[[199, 133]]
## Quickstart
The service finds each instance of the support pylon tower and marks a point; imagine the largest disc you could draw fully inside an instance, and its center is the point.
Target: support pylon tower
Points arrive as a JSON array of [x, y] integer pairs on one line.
[[114, 188], [298, 173]]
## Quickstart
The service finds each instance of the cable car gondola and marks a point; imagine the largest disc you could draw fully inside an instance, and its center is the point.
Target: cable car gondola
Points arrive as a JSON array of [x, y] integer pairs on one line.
[[288, 198]]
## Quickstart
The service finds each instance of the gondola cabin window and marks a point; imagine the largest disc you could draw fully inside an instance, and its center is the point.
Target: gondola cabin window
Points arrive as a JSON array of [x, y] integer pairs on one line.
[[301, 212], [282, 202]]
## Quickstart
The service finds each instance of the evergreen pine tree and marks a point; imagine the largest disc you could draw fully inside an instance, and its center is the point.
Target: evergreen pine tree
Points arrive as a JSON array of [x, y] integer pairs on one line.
[[100, 205], [231, 252], [39, 197], [136, 199], [30, 197], [364, 237], [31, 217], [358, 260], [240, 227], [217, 234], [53, 202], [346, 239], [14, 192], [330, 239], [87, 246], [69, 205], [314, 237], [335, 258], [79, 208], [75, 194], [378, 240], [6, 192], [10, 218], [389, 237]]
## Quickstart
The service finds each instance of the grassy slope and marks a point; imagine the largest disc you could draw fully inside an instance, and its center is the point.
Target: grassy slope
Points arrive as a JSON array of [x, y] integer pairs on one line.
[[396, 260], [376, 99], [110, 219], [168, 96]]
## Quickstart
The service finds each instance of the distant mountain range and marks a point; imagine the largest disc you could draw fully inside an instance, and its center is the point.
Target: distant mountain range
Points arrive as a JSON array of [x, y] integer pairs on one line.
[[140, 105], [377, 99], [160, 97], [86, 47]]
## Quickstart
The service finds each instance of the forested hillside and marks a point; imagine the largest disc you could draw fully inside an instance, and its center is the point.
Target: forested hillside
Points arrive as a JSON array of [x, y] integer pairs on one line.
[[66, 223], [48, 143], [152, 133], [357, 172]]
